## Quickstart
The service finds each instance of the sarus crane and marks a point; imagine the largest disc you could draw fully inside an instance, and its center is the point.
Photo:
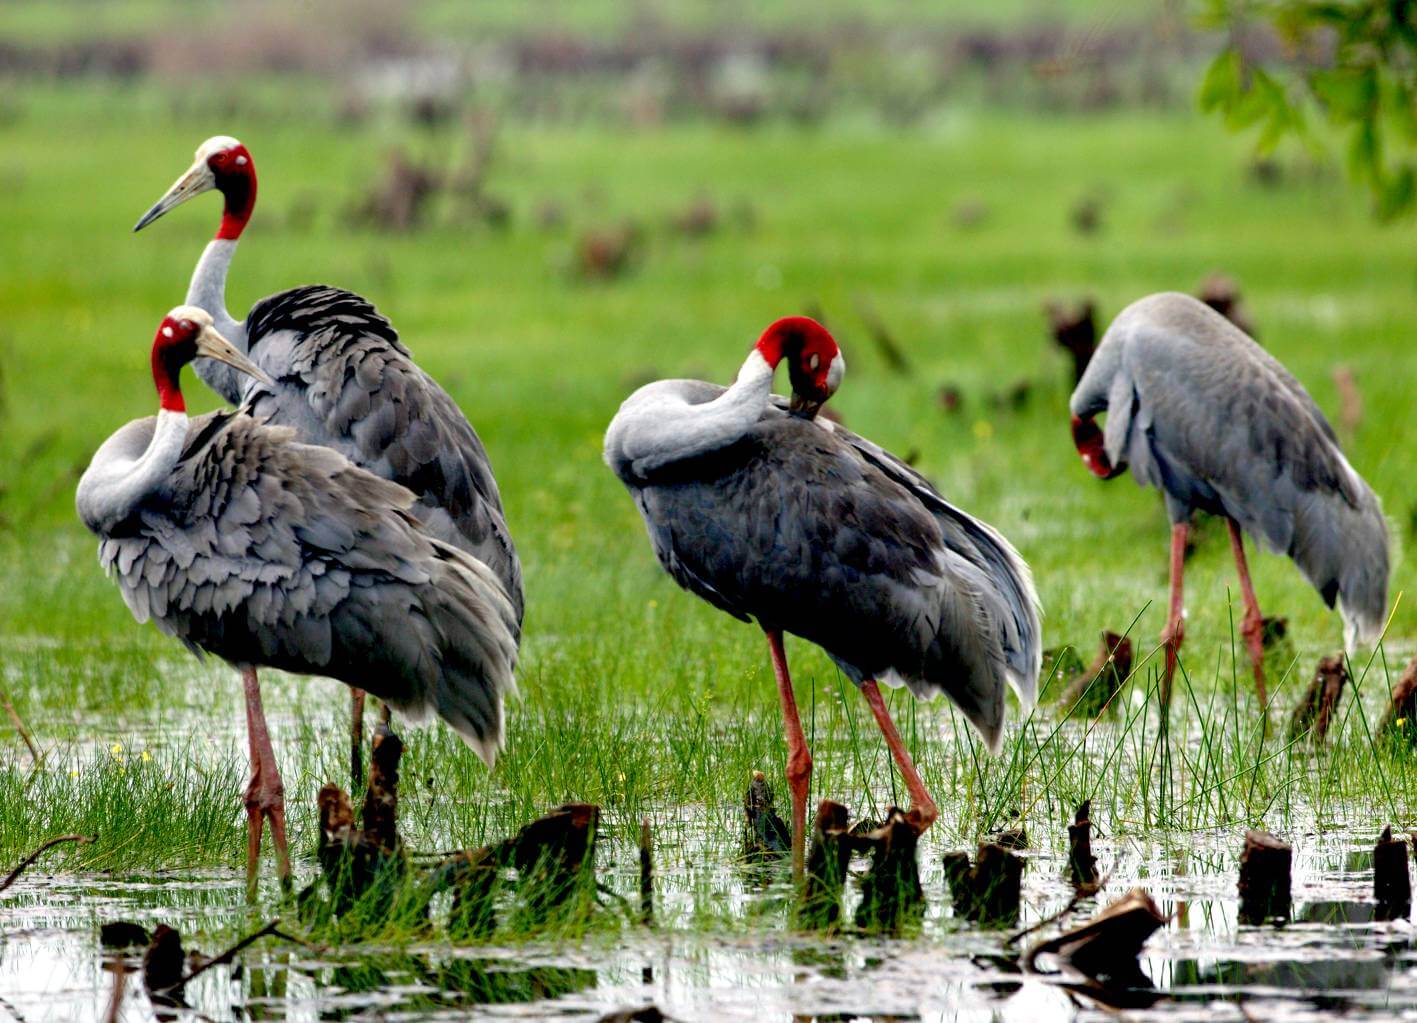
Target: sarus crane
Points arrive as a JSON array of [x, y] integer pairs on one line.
[[341, 378], [1201, 412], [770, 512], [242, 542]]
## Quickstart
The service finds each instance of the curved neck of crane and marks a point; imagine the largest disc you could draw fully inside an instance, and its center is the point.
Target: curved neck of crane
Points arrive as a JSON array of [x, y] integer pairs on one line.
[[110, 491], [239, 194], [207, 289], [674, 430]]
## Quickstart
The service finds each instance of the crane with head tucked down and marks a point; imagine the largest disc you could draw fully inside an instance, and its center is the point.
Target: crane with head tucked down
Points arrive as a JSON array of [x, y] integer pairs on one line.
[[769, 512], [242, 542], [338, 374], [1201, 412]]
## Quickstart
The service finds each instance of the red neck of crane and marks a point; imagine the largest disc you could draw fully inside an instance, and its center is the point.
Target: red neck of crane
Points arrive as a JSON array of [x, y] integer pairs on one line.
[[238, 188], [168, 358]]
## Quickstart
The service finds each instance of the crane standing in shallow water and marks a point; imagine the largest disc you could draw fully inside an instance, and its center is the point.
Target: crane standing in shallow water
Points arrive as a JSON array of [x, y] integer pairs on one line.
[[242, 542], [1204, 414], [770, 513], [339, 376]]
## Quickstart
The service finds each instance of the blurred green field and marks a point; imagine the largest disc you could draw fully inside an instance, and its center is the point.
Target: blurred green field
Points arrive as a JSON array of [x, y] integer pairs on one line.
[[955, 231]]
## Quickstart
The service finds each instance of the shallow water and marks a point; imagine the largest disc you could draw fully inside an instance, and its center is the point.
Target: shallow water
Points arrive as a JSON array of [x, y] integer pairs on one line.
[[743, 964]]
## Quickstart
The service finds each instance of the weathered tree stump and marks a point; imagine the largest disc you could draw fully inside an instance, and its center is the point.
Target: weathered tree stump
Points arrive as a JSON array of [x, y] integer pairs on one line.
[[1392, 885], [349, 860], [1082, 865], [1106, 947], [1092, 689], [473, 877], [827, 861], [163, 965], [1265, 867], [766, 835], [989, 891], [1399, 721], [381, 797], [891, 895], [1075, 330], [123, 934], [1011, 838], [1320, 700]]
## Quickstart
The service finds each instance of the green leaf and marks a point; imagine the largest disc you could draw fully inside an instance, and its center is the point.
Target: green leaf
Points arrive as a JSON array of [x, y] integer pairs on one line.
[[1220, 88]]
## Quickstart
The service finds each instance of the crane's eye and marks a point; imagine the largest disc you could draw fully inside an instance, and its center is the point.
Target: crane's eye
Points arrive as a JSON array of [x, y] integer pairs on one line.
[[186, 324]]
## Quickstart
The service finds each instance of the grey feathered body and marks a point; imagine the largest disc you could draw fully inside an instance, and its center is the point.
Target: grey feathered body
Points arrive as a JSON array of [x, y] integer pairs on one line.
[[268, 552], [1201, 412], [813, 530], [344, 380]]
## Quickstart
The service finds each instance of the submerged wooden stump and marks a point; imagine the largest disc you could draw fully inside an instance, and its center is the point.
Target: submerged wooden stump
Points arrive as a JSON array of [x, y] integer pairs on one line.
[[1265, 867], [1399, 721], [1106, 947], [164, 963], [827, 860], [987, 892], [1320, 700], [381, 798], [553, 857], [1082, 865], [1392, 884], [1091, 690], [766, 835], [891, 895]]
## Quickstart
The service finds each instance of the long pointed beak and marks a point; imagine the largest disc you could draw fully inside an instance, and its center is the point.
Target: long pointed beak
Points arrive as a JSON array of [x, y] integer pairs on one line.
[[198, 179], [212, 345], [803, 406]]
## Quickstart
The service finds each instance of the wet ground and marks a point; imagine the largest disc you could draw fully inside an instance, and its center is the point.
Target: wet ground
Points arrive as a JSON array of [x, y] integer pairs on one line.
[[1332, 957]]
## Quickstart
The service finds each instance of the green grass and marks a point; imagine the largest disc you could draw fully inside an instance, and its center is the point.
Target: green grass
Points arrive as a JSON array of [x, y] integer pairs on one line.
[[634, 694]]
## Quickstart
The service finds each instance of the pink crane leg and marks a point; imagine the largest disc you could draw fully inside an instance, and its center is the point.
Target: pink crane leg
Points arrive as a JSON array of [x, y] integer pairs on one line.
[[356, 741], [920, 802], [265, 795], [1175, 630], [799, 758], [1252, 627]]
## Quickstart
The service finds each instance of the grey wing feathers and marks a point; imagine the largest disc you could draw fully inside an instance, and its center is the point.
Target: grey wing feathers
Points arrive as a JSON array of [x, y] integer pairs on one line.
[[1203, 413], [344, 380], [1010, 583], [826, 536], [265, 551]]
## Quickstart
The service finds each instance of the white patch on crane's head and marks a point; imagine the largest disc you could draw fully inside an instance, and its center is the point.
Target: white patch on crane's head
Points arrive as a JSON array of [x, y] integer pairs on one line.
[[166, 331], [215, 144]]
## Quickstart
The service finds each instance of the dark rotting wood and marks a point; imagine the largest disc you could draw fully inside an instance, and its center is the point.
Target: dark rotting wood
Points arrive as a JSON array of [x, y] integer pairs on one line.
[[231, 953], [1082, 865], [1392, 885], [1092, 690], [44, 847], [1075, 330], [348, 859], [1400, 718], [646, 873], [163, 964], [643, 1014], [1315, 710], [1106, 947], [381, 798], [766, 835], [1265, 867], [1011, 838], [891, 895], [473, 877], [987, 892], [827, 860], [123, 934], [552, 856]]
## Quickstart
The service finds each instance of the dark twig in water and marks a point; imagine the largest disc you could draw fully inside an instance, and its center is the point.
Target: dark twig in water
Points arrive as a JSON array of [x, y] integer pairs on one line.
[[25, 863], [1072, 904], [115, 1000], [646, 873], [271, 928]]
